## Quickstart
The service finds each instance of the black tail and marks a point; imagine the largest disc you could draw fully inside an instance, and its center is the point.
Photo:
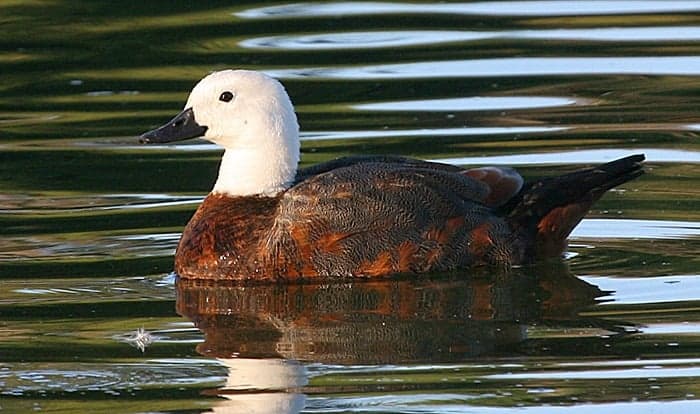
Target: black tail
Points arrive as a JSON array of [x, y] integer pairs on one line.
[[546, 211]]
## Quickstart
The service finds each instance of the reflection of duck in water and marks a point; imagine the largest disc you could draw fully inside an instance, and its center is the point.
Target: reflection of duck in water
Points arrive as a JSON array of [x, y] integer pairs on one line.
[[356, 216], [265, 334], [381, 321]]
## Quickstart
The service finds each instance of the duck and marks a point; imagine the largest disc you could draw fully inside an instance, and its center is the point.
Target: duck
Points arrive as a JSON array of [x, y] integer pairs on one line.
[[359, 216]]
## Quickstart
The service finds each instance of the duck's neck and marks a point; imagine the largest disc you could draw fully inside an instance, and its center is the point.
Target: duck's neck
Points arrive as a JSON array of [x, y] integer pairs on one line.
[[257, 171]]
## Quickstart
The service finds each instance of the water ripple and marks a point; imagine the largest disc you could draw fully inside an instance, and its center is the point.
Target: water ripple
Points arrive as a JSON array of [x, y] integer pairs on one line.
[[473, 103], [486, 8], [65, 378], [56, 204], [499, 67], [94, 290], [427, 132], [648, 290], [675, 372], [369, 40], [77, 246], [636, 229], [591, 156]]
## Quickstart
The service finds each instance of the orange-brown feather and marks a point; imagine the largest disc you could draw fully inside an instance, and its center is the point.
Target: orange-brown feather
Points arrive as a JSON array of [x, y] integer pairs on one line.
[[555, 227], [407, 256], [381, 265], [480, 240]]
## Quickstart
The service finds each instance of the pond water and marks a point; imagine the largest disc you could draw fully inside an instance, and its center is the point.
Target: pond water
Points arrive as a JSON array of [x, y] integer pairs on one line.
[[91, 319]]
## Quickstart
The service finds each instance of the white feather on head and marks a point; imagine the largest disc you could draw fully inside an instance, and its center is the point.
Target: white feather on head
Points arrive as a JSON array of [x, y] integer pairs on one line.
[[257, 128]]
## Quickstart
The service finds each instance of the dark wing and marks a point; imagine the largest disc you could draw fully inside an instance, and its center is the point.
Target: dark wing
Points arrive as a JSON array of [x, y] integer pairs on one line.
[[394, 160], [502, 183], [378, 217]]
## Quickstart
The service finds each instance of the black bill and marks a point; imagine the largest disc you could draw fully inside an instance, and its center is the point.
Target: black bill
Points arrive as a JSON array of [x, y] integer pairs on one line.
[[182, 127]]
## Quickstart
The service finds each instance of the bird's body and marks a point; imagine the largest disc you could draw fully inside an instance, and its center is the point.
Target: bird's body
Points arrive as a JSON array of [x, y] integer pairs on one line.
[[362, 216]]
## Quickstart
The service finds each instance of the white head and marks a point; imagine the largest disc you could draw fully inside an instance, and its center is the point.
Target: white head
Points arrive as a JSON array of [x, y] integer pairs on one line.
[[250, 115]]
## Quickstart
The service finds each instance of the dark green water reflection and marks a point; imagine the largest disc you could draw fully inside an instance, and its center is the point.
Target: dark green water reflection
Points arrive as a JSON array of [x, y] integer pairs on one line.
[[92, 321]]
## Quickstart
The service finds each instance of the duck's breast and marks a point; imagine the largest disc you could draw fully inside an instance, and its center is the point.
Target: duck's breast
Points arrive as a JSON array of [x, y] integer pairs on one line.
[[221, 240]]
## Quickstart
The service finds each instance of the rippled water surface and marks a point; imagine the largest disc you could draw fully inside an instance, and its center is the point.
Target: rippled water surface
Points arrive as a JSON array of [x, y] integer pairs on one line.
[[91, 319]]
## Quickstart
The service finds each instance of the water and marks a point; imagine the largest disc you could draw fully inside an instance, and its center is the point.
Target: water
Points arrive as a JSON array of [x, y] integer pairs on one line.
[[92, 321]]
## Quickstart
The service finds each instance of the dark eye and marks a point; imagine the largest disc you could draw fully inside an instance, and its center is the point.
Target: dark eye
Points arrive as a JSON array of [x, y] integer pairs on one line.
[[226, 96]]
